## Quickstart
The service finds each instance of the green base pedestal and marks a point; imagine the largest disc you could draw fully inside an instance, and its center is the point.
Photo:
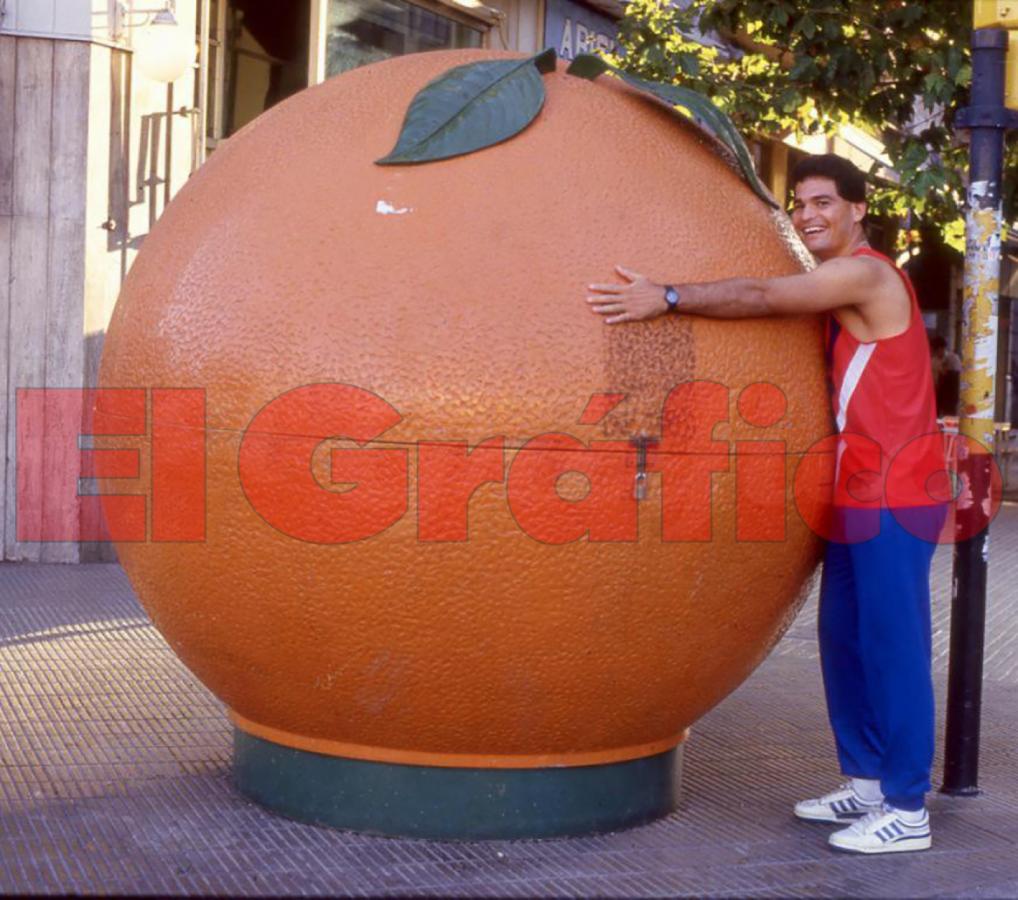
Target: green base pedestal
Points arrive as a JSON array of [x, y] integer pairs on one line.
[[455, 804]]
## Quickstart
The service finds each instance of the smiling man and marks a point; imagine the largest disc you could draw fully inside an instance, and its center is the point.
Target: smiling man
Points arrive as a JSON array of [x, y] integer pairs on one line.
[[874, 620]]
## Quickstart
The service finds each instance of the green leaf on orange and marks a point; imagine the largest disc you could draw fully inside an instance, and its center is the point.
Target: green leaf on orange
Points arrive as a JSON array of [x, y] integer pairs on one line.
[[471, 107]]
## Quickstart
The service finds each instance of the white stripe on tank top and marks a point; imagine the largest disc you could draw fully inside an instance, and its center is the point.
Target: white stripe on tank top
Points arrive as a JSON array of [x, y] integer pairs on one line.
[[853, 375]]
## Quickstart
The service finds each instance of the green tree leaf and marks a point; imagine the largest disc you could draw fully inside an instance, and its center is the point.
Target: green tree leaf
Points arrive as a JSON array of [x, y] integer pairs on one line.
[[812, 66], [704, 113], [471, 107]]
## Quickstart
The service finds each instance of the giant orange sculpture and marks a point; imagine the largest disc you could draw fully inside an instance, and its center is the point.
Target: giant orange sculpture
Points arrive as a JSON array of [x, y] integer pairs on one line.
[[361, 589]]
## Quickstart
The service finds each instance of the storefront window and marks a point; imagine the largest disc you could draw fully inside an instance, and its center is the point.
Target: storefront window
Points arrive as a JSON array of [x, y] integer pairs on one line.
[[257, 55], [365, 31]]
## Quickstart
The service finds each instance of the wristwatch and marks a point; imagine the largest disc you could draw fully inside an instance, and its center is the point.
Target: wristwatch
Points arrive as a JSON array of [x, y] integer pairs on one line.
[[671, 297]]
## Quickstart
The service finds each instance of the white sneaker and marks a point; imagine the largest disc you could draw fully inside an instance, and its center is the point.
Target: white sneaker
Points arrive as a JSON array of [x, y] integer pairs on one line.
[[842, 805], [884, 831]]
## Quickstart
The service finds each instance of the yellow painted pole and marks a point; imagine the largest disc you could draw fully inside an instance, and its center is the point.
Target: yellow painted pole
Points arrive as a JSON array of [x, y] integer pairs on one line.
[[987, 119]]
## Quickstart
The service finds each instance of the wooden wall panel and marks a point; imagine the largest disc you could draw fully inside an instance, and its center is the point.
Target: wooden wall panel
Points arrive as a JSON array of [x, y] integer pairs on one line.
[[70, 130], [64, 347], [33, 106], [5, 316], [7, 76], [29, 264], [7, 59], [70, 136]]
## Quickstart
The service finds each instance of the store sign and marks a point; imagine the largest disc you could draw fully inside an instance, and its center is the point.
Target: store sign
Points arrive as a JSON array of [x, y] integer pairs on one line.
[[572, 28]]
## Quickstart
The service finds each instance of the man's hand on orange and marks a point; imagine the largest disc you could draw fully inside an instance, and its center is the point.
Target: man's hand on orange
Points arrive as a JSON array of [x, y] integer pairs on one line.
[[635, 299]]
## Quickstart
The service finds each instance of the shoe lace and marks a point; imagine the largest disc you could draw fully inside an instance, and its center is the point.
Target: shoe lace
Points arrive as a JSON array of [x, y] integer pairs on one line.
[[869, 821], [846, 786], [836, 794]]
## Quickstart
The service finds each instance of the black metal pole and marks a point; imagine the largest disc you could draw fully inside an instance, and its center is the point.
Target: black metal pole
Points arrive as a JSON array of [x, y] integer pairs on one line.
[[965, 670], [987, 119]]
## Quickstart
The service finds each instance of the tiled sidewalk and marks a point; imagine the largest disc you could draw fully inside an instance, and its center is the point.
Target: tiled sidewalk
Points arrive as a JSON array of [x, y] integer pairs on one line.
[[114, 777]]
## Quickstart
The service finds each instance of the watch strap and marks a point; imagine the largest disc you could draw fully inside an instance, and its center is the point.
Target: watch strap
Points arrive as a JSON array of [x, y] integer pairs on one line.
[[671, 297]]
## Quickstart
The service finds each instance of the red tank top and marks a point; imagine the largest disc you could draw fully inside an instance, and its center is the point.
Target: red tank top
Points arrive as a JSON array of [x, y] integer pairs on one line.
[[890, 449]]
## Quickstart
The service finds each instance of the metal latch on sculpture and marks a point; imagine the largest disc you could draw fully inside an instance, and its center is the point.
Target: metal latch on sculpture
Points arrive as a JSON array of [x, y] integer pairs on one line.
[[640, 486], [641, 443]]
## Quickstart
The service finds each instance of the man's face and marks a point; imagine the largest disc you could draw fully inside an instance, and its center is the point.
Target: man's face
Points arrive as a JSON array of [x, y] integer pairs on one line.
[[826, 222]]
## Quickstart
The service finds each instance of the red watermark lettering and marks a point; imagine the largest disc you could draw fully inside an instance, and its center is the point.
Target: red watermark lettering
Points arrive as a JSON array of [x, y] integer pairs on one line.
[[178, 465], [368, 493], [848, 466], [607, 512], [942, 469], [448, 475], [52, 424], [760, 479], [687, 458], [319, 464]]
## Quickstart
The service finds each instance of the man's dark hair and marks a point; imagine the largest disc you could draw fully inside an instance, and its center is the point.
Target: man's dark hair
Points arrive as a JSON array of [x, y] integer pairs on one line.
[[850, 182]]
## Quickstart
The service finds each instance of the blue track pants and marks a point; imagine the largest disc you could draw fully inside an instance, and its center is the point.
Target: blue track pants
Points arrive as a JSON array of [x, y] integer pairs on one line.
[[874, 629]]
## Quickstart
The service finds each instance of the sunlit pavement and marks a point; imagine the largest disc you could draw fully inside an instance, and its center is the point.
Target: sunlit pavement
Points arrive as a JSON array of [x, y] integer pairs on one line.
[[115, 777]]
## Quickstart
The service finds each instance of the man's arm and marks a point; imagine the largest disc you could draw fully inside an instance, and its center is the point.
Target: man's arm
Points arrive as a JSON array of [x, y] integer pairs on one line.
[[836, 284]]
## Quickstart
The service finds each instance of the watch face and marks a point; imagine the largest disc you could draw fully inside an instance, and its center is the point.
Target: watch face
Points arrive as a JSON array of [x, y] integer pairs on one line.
[[671, 297]]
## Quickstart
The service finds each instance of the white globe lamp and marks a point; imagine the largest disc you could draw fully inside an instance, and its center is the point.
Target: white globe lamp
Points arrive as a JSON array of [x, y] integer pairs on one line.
[[163, 51]]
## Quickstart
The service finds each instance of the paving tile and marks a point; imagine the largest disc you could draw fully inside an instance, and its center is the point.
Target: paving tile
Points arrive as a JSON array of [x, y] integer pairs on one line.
[[115, 778]]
